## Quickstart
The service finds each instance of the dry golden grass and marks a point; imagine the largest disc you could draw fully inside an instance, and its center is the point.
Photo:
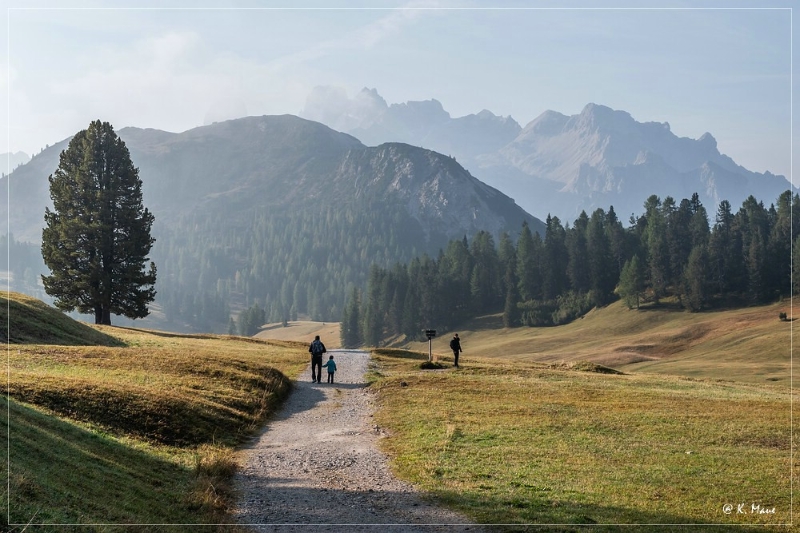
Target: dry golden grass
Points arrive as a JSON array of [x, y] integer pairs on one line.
[[303, 331], [749, 344], [508, 441], [139, 430]]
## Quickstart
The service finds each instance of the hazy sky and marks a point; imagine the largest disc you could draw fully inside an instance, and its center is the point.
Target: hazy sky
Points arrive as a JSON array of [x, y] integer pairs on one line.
[[725, 71]]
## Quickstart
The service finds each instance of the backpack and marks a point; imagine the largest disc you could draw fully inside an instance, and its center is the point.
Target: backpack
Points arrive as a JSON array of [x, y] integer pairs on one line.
[[317, 348]]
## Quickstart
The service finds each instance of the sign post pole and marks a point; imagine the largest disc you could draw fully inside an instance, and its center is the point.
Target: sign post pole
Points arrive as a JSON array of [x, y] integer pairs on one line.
[[430, 333]]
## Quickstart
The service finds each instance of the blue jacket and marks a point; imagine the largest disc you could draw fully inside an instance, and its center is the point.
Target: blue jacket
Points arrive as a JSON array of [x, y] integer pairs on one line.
[[331, 366]]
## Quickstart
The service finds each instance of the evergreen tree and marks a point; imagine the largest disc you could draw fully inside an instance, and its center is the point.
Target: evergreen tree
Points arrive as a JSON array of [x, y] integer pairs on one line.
[[555, 258], [374, 311], [696, 278], [511, 312], [779, 248], [527, 273], [350, 327], [485, 282], [578, 262], [97, 239], [617, 240], [725, 252], [631, 282], [601, 262], [655, 243]]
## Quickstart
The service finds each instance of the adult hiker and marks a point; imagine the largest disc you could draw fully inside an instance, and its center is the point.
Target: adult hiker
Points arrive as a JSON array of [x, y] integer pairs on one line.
[[455, 345], [317, 349]]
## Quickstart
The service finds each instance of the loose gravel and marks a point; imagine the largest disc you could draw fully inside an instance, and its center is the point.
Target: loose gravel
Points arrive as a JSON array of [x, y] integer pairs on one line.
[[317, 466]]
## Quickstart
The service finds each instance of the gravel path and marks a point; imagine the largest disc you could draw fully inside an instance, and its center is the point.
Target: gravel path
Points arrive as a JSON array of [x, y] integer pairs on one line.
[[317, 464]]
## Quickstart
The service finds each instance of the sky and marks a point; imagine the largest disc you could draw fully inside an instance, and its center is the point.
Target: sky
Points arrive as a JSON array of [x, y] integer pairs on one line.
[[723, 68]]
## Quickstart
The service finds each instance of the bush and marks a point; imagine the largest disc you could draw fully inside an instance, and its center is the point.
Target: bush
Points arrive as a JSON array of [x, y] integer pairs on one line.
[[782, 316]]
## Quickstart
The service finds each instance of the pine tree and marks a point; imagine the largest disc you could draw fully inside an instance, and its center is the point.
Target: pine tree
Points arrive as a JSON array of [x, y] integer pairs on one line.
[[655, 243], [350, 331], [554, 261], [97, 239], [631, 282], [601, 262], [528, 276], [578, 266], [696, 278]]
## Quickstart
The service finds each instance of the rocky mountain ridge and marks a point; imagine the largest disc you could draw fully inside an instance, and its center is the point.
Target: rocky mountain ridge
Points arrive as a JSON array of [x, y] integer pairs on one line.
[[559, 164]]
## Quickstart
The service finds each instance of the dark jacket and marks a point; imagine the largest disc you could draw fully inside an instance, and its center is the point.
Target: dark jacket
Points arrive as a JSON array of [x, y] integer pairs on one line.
[[455, 345], [317, 348]]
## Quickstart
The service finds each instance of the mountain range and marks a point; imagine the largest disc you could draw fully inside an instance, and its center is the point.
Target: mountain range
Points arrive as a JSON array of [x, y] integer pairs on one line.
[[556, 164], [283, 163], [280, 209]]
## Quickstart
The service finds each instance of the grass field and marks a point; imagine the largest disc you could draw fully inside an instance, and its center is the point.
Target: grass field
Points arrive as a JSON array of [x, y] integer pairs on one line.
[[303, 331], [124, 426], [140, 429], [749, 344], [509, 442]]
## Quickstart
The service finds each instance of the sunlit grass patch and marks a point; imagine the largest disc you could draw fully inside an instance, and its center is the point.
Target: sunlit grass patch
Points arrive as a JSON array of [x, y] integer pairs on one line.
[[139, 431], [524, 443]]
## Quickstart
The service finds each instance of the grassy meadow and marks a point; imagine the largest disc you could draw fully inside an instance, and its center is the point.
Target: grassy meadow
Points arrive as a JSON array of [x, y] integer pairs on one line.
[[303, 331], [513, 442], [112, 425], [747, 344], [120, 426]]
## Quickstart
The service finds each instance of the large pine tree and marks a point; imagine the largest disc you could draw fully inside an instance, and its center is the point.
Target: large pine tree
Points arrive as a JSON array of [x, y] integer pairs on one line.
[[97, 238]]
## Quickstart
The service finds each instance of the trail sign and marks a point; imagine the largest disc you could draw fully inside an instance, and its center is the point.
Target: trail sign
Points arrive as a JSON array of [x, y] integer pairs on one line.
[[430, 333]]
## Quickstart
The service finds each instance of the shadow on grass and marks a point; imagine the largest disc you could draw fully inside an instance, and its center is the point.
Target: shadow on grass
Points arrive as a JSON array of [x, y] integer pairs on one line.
[[352, 510], [31, 321], [59, 473]]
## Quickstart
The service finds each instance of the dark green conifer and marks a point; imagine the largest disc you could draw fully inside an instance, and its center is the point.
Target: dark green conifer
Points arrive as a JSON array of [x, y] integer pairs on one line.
[[97, 239]]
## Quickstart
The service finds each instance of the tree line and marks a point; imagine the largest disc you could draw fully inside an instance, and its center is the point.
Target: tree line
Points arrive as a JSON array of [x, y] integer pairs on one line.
[[275, 266], [670, 251]]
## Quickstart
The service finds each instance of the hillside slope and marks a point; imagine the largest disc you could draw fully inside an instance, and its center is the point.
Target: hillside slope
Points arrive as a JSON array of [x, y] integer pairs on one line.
[[748, 344], [279, 211], [32, 321]]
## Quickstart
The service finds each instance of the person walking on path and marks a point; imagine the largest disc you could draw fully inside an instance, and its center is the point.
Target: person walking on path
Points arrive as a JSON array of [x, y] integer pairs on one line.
[[455, 345], [317, 349], [331, 366]]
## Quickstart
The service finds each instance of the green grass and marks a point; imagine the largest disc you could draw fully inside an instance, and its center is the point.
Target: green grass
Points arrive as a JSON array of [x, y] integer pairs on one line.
[[513, 443], [142, 429]]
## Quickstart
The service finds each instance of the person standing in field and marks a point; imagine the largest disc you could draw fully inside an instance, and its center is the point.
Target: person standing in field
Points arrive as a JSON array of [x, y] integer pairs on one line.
[[331, 366], [455, 345], [317, 349]]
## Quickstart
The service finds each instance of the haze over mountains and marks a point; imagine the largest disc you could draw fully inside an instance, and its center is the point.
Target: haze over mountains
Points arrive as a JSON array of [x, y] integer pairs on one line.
[[284, 163], [556, 164], [11, 160], [280, 209]]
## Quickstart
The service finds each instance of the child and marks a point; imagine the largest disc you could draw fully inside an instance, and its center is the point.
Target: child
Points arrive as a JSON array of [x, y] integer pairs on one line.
[[331, 369]]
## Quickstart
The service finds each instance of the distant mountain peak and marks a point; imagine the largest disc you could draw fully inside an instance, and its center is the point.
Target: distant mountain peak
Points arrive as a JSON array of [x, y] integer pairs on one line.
[[431, 108], [707, 139], [372, 95]]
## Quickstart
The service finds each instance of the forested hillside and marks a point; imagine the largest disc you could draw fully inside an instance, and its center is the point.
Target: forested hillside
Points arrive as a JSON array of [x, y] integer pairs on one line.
[[279, 215], [670, 250]]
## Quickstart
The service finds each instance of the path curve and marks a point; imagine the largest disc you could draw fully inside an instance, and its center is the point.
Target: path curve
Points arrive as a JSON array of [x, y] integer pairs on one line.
[[317, 463]]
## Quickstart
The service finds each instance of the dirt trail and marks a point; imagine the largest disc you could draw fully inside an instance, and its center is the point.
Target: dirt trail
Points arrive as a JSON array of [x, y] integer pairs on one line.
[[317, 463]]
